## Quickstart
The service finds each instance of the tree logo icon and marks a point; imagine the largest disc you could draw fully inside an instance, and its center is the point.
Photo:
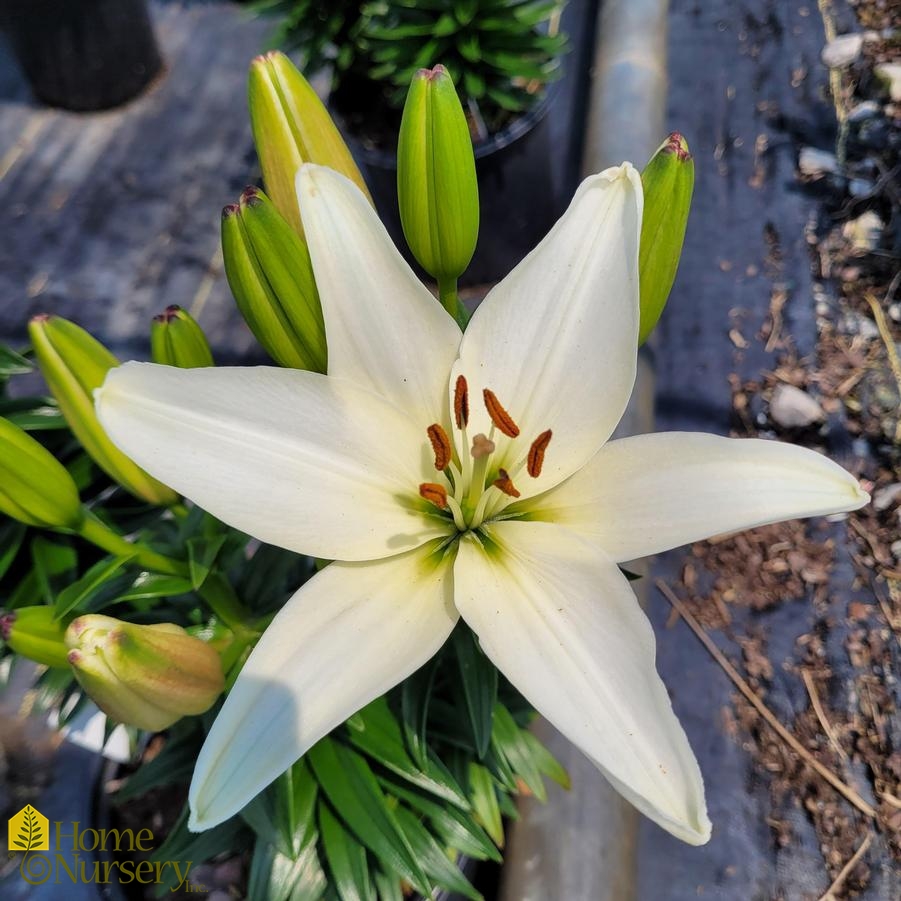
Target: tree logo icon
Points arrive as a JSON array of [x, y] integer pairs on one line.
[[29, 831]]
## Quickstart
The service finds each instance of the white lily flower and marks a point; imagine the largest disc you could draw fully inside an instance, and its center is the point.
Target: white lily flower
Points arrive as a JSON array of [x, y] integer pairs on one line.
[[452, 476]]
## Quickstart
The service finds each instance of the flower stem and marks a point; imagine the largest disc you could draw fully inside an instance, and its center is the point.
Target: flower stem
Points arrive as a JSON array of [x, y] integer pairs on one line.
[[450, 300], [97, 532], [223, 601]]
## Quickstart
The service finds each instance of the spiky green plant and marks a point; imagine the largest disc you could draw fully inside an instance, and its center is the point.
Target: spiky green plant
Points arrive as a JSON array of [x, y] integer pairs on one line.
[[500, 53]]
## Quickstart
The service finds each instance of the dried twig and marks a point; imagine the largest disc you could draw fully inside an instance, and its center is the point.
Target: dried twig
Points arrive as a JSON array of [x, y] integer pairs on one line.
[[841, 787], [809, 684], [839, 880], [891, 352]]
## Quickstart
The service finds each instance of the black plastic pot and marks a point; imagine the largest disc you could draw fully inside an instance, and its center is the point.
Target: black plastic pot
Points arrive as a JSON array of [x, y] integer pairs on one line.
[[518, 192], [83, 54]]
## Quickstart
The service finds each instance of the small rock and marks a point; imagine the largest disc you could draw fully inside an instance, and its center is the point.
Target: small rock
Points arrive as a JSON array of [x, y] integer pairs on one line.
[[842, 51], [894, 312], [814, 163], [896, 549], [890, 75], [866, 110], [864, 232], [793, 408], [886, 496], [850, 273]]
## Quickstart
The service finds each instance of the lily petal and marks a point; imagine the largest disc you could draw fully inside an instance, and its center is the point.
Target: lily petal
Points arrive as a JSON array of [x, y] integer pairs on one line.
[[649, 493], [351, 633], [556, 339], [385, 330], [296, 459], [563, 625]]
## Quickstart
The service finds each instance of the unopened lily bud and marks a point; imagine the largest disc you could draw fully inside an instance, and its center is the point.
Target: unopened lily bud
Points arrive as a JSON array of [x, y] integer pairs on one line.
[[436, 176], [145, 676], [34, 633], [177, 340], [668, 181], [269, 271], [74, 365], [291, 126], [35, 488]]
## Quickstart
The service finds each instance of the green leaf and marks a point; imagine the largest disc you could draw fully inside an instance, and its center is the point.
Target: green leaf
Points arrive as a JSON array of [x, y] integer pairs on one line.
[[547, 764], [388, 885], [202, 553], [376, 732], [346, 859], [149, 585], [183, 845], [54, 564], [81, 591], [508, 742], [12, 534], [433, 857], [12, 363], [484, 802], [415, 698], [478, 679], [455, 828], [32, 413], [353, 790]]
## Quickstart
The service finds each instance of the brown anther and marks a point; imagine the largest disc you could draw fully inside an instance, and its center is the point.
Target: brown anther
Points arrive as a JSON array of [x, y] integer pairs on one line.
[[434, 494], [482, 446], [536, 453], [505, 483], [461, 402], [499, 416], [440, 445]]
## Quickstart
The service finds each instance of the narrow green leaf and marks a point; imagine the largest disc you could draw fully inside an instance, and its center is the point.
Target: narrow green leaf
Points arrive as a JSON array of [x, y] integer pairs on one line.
[[54, 563], [455, 828], [478, 678], [346, 859], [434, 859], [12, 363], [202, 553], [148, 585], [353, 790], [484, 802], [12, 534], [376, 732], [80, 592], [415, 698], [389, 886], [546, 762], [508, 742]]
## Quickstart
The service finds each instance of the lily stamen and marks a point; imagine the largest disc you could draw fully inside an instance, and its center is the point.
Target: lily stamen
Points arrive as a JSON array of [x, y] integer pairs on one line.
[[440, 445], [434, 494], [461, 402], [504, 483], [499, 416], [537, 452]]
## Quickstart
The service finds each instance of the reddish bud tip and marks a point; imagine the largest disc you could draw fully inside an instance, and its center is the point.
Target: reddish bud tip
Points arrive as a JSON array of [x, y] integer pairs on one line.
[[6, 625], [42, 317], [74, 657], [250, 196], [230, 209], [676, 143]]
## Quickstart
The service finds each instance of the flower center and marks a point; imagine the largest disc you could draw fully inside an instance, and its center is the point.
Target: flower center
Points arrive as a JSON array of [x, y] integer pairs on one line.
[[474, 488]]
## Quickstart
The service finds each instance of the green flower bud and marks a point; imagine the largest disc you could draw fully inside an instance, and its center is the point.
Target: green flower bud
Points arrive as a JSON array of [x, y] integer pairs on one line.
[[291, 126], [35, 488], [668, 180], [436, 176], [74, 365], [177, 340], [270, 273], [145, 676], [33, 632]]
